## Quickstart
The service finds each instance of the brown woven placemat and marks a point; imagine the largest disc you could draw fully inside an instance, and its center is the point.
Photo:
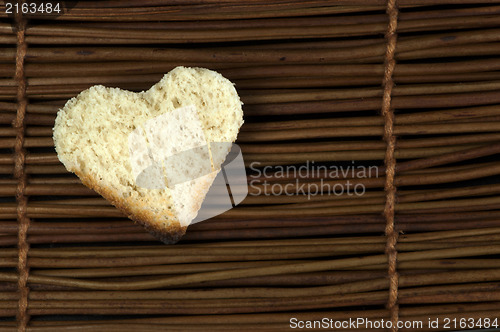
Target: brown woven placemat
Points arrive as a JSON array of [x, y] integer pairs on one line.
[[395, 103]]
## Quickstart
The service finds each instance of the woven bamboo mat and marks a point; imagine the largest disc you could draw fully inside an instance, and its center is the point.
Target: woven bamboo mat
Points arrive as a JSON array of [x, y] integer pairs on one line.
[[401, 99]]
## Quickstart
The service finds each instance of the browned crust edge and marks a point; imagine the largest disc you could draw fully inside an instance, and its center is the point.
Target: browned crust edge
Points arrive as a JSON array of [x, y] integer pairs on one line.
[[168, 235]]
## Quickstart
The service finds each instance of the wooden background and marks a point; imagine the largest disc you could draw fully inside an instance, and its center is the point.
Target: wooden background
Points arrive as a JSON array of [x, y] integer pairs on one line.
[[310, 74]]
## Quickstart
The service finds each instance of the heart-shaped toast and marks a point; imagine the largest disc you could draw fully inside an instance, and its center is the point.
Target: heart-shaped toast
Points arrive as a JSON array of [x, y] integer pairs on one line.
[[108, 136]]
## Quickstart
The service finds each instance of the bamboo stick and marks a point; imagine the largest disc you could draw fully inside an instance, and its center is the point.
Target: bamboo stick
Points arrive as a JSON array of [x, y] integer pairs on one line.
[[286, 158], [102, 53], [143, 81], [194, 12], [228, 233], [31, 142], [409, 102], [471, 204], [268, 292], [318, 28], [418, 295], [344, 131], [420, 117], [248, 322], [294, 56], [252, 97], [270, 247], [274, 270], [481, 49], [111, 69], [260, 159], [92, 227]]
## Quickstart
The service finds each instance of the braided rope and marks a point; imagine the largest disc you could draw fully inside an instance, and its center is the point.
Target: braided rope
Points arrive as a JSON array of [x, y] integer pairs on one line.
[[390, 163], [20, 175]]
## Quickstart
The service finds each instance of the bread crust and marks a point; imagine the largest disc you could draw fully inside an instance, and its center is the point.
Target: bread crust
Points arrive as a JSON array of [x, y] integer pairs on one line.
[[170, 234]]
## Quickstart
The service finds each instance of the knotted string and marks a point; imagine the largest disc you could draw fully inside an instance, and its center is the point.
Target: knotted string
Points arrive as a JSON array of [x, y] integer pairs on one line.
[[20, 175], [390, 163]]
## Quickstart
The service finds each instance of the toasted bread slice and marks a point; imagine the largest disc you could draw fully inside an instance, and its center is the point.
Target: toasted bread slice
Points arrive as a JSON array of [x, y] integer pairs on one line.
[[98, 135]]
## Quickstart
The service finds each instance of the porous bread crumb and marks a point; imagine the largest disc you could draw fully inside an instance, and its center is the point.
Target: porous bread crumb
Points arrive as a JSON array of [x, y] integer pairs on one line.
[[91, 139]]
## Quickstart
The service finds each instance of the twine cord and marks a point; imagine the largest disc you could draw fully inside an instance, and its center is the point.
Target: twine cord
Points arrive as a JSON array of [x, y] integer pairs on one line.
[[390, 163], [20, 175]]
